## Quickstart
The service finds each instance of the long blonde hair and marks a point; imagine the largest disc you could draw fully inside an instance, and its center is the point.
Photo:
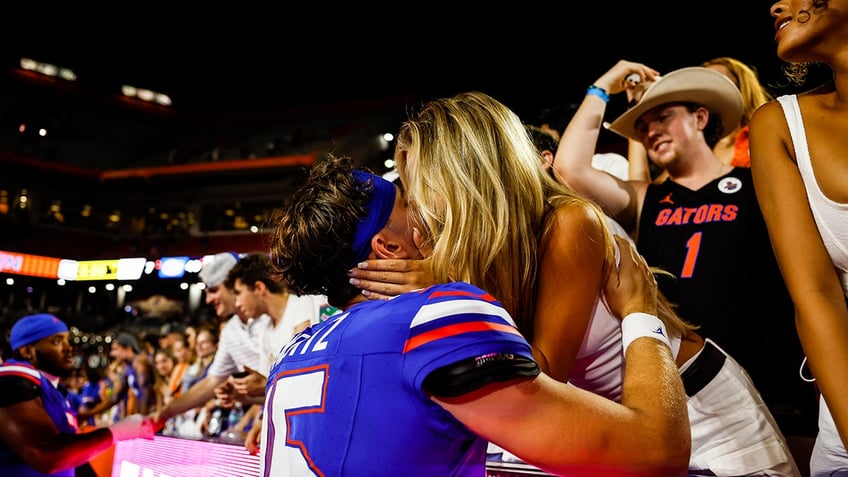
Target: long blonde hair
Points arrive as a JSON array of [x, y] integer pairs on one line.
[[460, 161], [754, 94], [478, 192]]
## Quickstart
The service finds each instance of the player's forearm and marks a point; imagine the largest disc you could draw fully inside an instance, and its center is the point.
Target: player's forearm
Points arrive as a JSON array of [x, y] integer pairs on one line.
[[68, 450], [659, 403]]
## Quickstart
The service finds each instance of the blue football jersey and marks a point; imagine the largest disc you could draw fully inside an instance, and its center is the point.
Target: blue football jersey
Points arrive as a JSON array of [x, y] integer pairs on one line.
[[55, 404], [345, 396]]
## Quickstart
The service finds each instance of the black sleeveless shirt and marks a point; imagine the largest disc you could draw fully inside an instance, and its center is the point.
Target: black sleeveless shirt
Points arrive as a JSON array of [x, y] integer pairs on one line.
[[715, 242]]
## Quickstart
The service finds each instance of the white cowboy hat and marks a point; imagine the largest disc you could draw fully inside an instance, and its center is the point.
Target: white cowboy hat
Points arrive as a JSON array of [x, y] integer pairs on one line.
[[695, 84]]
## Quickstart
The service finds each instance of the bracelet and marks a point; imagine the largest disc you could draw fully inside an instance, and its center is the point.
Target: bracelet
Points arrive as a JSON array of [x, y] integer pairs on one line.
[[638, 325], [599, 92]]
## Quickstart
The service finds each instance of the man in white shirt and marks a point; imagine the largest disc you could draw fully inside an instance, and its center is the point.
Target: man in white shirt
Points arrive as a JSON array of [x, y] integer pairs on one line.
[[238, 344], [259, 292]]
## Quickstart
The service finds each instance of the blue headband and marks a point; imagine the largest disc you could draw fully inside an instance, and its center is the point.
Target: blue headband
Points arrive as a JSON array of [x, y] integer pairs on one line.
[[32, 328], [379, 208]]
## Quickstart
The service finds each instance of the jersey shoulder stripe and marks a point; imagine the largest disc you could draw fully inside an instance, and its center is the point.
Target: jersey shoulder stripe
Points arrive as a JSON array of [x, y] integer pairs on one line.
[[21, 371], [457, 312], [457, 329]]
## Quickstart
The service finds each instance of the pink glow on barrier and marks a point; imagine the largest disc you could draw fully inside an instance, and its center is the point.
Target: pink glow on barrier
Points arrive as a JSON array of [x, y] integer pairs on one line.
[[173, 457], [177, 457]]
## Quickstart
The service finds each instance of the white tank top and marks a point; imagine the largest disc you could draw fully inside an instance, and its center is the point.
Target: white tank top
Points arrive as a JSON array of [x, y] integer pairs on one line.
[[831, 217], [599, 365]]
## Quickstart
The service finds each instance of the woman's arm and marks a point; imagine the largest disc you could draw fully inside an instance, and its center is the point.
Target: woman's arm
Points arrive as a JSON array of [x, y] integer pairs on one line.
[[570, 280], [821, 315], [385, 278]]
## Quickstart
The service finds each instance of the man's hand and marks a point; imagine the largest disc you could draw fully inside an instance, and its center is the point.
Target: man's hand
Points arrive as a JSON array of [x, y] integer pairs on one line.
[[132, 427], [632, 288], [252, 385], [615, 79], [158, 419], [225, 394], [251, 441]]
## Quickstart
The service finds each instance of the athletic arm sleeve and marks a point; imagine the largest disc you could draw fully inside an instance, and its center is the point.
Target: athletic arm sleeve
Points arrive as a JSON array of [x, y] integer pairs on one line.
[[471, 374]]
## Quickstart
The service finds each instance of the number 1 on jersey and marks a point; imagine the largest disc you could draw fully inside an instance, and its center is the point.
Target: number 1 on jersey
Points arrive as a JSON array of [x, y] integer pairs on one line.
[[693, 246]]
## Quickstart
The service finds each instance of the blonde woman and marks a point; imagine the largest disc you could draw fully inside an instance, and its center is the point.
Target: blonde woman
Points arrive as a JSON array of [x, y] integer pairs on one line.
[[733, 148], [493, 217]]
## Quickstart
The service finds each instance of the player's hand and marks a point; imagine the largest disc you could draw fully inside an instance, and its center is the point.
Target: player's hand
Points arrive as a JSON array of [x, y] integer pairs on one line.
[[158, 419], [132, 427], [632, 288]]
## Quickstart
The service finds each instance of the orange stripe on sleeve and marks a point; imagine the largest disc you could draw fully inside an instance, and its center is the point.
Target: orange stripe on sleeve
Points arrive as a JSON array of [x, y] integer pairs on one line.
[[448, 293], [456, 329]]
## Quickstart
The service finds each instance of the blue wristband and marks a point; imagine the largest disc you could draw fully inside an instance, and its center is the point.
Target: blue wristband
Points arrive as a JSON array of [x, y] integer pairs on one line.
[[599, 92]]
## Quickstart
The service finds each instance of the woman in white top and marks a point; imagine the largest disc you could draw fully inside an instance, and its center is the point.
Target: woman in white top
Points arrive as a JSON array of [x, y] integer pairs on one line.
[[799, 158]]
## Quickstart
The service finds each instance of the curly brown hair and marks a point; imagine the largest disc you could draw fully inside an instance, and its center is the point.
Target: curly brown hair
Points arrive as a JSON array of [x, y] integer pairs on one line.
[[311, 243]]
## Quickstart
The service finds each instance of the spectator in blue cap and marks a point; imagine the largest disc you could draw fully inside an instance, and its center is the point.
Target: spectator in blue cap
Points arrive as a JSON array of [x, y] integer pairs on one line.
[[39, 432]]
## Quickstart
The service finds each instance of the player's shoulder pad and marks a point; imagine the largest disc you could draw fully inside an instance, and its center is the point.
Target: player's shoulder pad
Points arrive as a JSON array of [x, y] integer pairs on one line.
[[19, 384]]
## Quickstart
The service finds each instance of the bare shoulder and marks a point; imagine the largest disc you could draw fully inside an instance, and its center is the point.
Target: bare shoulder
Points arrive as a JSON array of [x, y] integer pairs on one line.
[[769, 136], [576, 225], [576, 215], [767, 116]]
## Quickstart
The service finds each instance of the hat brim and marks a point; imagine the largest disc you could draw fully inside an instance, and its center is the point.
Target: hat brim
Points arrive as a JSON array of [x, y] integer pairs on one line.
[[696, 84]]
